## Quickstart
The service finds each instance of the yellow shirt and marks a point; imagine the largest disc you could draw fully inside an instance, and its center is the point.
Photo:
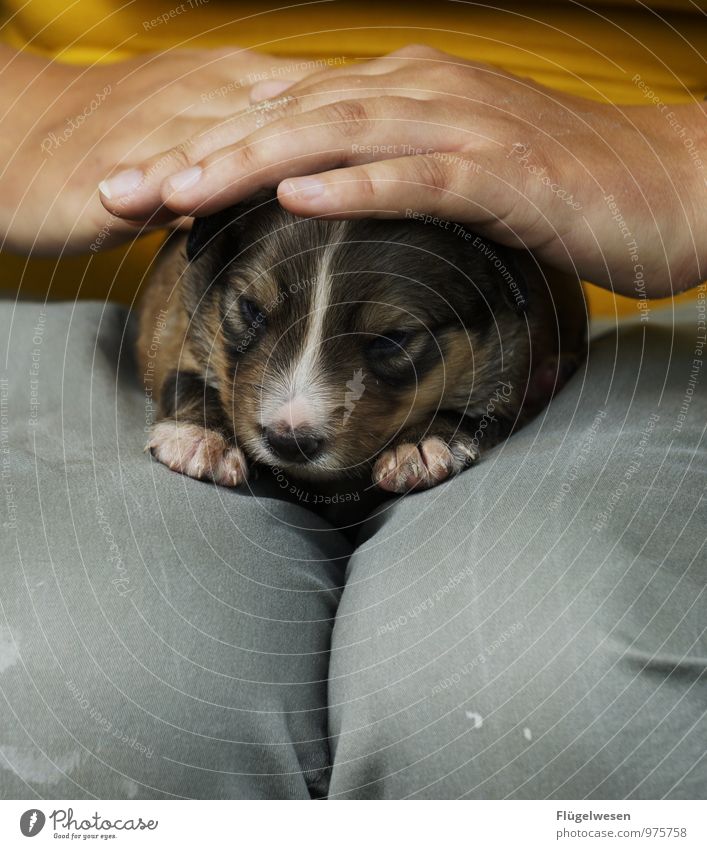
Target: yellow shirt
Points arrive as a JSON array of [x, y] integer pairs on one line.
[[594, 53]]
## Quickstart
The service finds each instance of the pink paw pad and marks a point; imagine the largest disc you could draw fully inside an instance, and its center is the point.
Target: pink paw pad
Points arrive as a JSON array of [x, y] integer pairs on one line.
[[409, 467], [198, 453]]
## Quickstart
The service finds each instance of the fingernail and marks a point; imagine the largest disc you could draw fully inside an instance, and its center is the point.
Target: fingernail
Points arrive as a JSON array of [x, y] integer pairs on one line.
[[266, 89], [306, 188], [123, 183], [184, 180]]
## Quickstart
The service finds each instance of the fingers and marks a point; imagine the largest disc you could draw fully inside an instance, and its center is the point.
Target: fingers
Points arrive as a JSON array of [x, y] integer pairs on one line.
[[269, 89], [272, 99], [337, 134], [323, 72], [407, 187], [136, 192], [377, 73], [243, 68], [332, 85], [438, 189]]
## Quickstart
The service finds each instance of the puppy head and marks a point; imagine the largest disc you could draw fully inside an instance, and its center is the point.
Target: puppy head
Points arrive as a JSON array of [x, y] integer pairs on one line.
[[325, 339]]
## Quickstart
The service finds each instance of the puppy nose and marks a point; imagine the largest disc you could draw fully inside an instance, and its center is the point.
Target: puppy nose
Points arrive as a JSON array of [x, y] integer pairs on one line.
[[295, 446]]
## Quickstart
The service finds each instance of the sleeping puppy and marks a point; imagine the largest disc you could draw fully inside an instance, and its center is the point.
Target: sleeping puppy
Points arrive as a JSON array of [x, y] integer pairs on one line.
[[397, 349]]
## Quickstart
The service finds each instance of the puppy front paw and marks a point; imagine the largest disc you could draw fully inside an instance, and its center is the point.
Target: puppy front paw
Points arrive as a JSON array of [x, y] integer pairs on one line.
[[409, 466], [197, 452]]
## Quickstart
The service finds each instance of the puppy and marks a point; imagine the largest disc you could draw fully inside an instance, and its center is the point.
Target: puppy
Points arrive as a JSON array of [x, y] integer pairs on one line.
[[397, 349]]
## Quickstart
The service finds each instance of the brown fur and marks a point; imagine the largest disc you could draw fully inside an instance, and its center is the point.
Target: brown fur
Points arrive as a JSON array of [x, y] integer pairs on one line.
[[379, 275]]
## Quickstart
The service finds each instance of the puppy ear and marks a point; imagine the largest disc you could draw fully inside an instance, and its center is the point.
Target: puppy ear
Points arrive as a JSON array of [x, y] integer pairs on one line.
[[206, 230], [507, 268]]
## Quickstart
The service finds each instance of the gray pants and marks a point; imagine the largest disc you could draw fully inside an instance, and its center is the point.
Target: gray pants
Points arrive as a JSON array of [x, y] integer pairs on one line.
[[532, 629]]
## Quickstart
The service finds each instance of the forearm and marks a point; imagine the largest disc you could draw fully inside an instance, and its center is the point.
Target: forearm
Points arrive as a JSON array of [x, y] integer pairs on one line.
[[66, 127], [30, 88], [689, 125]]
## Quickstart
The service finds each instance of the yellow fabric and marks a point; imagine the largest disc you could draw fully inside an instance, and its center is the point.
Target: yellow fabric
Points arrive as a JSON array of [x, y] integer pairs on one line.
[[590, 52]]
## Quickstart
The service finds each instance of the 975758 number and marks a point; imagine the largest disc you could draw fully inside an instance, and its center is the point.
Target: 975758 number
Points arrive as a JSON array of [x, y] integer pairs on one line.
[[663, 832]]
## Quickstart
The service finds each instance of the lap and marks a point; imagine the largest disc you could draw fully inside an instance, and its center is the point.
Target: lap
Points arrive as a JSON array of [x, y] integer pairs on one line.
[[535, 628], [159, 637]]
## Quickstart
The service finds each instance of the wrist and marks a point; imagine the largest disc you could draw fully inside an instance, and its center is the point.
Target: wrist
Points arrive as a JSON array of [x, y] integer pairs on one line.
[[32, 91], [694, 182], [678, 199]]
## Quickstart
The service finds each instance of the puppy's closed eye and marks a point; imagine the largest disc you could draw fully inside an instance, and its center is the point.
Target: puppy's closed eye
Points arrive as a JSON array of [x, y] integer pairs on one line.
[[401, 357], [251, 312], [390, 343]]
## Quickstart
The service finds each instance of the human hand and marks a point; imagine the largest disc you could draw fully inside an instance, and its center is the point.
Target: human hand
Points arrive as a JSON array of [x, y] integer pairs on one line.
[[65, 128], [603, 191]]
